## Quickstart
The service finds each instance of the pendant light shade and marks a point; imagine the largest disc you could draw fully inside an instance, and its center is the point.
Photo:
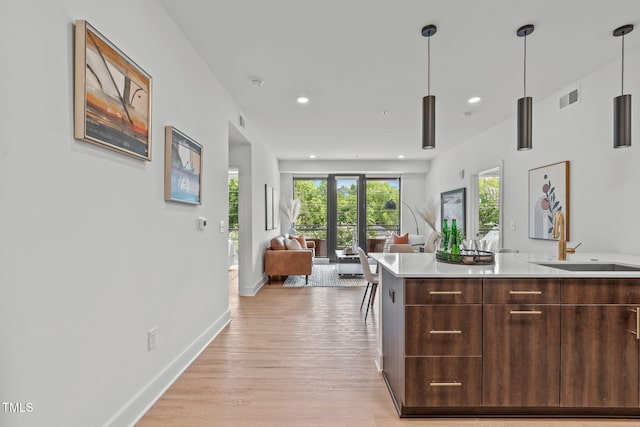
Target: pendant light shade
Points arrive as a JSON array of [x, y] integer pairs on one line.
[[525, 109], [525, 104], [429, 101], [429, 122], [622, 103], [622, 121]]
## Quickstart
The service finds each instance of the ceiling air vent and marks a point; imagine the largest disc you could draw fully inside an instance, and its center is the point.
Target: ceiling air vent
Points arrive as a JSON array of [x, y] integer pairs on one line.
[[570, 98]]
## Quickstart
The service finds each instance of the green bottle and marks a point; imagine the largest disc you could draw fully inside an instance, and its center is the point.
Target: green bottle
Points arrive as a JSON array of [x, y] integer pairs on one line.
[[455, 244], [445, 232]]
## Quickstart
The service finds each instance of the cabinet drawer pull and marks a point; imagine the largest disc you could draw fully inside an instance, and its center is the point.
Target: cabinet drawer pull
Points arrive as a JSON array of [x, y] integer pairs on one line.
[[453, 383], [525, 312], [637, 331], [453, 331], [525, 292], [445, 292]]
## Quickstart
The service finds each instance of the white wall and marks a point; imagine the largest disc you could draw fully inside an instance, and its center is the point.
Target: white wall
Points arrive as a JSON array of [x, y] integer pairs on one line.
[[257, 167], [604, 182], [413, 189], [91, 256]]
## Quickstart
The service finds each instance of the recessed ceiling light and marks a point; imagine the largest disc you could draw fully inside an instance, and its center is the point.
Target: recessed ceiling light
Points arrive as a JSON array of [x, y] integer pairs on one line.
[[302, 100], [312, 156], [473, 99], [401, 156]]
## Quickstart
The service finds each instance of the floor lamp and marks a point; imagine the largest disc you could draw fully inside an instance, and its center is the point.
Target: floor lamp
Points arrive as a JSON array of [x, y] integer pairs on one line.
[[390, 205]]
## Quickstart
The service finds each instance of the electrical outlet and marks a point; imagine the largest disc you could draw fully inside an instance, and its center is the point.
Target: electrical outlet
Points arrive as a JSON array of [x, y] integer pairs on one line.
[[152, 339], [513, 226], [221, 226]]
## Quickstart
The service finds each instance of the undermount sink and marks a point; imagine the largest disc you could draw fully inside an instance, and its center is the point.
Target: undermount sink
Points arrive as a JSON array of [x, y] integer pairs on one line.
[[584, 266]]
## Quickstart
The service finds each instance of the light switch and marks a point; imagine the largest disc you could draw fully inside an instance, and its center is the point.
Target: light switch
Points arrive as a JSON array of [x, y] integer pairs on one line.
[[222, 226], [513, 226], [202, 222]]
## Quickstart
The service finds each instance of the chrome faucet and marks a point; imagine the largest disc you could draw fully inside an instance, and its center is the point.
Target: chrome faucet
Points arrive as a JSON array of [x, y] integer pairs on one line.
[[559, 232]]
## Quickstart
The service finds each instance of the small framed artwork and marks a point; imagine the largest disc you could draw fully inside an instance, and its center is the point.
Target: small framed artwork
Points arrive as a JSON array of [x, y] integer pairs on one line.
[[453, 205], [182, 168], [268, 207], [112, 96], [548, 195], [275, 205]]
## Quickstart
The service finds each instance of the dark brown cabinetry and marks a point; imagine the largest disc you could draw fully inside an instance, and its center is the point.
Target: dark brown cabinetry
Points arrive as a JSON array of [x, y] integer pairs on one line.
[[439, 358], [540, 346], [600, 350], [521, 351]]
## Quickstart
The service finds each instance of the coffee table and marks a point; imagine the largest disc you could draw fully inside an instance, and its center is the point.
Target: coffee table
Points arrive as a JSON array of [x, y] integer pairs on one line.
[[348, 264]]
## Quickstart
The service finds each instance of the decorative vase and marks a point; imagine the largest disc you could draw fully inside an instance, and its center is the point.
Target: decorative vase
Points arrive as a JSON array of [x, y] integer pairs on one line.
[[292, 231]]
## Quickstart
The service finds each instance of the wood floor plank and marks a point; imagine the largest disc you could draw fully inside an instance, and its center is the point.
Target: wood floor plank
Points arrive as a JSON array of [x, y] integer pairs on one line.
[[300, 357]]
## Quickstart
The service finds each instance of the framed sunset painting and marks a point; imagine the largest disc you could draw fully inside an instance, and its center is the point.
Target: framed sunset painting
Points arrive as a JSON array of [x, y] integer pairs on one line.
[[112, 95]]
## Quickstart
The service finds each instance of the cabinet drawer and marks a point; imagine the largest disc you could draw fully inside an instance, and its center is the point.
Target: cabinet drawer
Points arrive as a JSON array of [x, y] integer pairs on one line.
[[443, 330], [522, 291], [443, 291], [601, 291], [443, 381]]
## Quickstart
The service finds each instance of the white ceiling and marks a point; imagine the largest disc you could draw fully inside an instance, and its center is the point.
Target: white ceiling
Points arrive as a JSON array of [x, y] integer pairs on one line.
[[357, 58]]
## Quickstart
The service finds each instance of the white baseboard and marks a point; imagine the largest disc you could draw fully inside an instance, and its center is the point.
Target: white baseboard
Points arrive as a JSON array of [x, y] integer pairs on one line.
[[135, 409], [253, 290]]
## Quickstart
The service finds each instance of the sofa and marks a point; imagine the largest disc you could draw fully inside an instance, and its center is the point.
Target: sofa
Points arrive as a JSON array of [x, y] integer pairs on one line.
[[286, 256]]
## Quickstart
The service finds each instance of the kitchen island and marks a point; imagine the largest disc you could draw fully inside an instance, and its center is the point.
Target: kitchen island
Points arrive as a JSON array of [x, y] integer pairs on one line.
[[512, 338]]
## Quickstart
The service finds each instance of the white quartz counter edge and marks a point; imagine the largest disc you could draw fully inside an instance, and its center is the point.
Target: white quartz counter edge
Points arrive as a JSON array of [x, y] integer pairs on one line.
[[414, 265]]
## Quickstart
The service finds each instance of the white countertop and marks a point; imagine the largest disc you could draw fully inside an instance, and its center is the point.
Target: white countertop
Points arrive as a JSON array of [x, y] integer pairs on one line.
[[413, 265]]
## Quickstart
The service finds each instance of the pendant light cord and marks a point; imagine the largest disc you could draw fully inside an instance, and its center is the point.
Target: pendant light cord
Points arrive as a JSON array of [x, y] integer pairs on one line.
[[428, 65], [622, 88], [525, 66]]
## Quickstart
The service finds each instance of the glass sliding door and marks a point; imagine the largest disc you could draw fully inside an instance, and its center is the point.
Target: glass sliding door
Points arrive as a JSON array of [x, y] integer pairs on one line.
[[347, 211], [341, 209]]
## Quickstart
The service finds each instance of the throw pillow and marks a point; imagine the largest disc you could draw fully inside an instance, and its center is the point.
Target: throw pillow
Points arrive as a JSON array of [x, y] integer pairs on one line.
[[293, 244], [399, 240], [301, 240], [278, 243]]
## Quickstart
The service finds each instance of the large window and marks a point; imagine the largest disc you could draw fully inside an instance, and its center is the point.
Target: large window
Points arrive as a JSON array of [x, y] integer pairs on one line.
[[312, 221], [489, 204], [381, 221]]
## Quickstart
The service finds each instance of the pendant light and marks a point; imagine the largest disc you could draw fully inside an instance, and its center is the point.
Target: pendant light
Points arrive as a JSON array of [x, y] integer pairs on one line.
[[622, 103], [525, 104], [429, 101]]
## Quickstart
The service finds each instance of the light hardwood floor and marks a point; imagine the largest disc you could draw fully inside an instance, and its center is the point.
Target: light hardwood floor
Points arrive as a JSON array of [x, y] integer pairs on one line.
[[300, 357]]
